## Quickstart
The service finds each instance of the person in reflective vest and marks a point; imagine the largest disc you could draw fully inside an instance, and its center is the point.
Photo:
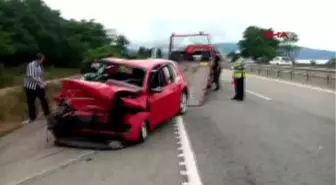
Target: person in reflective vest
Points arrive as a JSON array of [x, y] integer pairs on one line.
[[239, 76]]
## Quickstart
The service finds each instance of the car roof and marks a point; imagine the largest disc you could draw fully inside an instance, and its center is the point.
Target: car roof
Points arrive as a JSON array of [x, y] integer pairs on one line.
[[140, 63]]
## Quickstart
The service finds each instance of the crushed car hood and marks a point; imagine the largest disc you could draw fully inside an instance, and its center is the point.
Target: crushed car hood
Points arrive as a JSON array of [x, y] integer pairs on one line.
[[104, 93]]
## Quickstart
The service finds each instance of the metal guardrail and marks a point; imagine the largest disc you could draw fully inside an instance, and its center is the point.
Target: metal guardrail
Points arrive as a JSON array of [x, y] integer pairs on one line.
[[326, 66], [296, 68], [319, 77]]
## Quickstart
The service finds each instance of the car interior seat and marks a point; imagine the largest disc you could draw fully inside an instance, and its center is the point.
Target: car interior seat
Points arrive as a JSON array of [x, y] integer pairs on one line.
[[138, 76]]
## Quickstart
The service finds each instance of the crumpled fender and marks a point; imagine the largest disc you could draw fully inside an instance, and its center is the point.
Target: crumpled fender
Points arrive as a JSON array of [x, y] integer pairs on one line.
[[136, 103], [136, 121]]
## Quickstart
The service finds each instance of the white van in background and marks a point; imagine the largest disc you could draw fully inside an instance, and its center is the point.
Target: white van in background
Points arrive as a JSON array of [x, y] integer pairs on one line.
[[281, 61]]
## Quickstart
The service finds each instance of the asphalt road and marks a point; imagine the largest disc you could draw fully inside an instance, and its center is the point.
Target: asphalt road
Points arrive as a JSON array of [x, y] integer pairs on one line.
[[26, 158], [282, 135]]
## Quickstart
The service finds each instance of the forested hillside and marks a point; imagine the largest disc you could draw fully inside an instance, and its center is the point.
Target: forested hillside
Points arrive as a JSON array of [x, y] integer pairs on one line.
[[28, 27]]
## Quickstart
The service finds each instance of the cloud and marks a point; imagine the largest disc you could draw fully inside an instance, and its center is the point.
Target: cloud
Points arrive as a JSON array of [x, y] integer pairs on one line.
[[150, 20]]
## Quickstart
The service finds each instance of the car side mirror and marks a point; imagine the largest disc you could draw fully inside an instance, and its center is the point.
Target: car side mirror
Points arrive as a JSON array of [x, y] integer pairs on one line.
[[156, 90]]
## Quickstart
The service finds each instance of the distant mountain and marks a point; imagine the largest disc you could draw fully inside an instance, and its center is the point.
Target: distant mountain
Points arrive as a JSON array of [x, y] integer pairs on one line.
[[315, 54], [226, 47], [304, 53]]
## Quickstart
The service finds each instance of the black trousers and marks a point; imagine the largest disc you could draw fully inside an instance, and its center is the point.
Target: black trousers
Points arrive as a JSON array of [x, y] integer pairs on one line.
[[239, 88], [216, 78], [31, 96]]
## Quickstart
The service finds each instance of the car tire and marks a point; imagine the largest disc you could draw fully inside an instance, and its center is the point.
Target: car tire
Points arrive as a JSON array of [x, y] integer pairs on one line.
[[183, 105], [143, 132]]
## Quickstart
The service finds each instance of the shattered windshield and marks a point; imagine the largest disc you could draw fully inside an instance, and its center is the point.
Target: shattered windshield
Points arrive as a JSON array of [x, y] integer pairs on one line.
[[107, 71]]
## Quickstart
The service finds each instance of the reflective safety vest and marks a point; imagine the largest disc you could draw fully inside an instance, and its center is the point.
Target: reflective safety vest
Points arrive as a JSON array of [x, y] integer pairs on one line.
[[239, 68]]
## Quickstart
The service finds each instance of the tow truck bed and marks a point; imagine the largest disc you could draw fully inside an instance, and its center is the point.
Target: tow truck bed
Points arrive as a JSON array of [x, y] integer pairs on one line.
[[194, 53], [198, 78]]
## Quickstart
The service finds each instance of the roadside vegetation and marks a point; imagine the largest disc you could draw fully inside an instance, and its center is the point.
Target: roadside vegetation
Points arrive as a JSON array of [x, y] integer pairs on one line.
[[28, 27], [14, 109], [255, 46], [332, 61], [260, 49], [13, 76]]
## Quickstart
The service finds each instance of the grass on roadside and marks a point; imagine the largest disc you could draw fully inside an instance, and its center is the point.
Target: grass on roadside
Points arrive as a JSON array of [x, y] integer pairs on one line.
[[14, 109], [14, 76]]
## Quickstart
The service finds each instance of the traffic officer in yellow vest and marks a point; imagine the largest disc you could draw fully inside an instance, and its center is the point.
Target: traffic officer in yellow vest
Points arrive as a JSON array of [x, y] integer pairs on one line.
[[238, 76]]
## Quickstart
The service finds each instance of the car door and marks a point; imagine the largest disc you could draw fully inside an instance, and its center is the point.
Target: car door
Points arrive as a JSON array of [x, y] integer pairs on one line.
[[156, 97], [162, 100], [177, 89]]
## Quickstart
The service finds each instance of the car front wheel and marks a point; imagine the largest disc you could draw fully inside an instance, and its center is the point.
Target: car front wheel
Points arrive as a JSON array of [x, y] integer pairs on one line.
[[143, 133], [183, 103]]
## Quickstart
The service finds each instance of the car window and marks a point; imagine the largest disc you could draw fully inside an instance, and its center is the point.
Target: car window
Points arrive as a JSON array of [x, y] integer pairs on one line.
[[172, 71], [156, 79], [167, 75], [286, 59]]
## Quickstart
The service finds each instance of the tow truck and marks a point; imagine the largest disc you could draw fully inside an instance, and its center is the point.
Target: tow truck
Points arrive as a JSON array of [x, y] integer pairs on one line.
[[195, 54]]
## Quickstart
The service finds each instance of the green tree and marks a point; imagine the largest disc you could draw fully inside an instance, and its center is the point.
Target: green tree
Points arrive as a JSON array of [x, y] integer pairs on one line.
[[122, 43], [257, 47], [30, 26], [159, 53], [230, 55], [288, 46], [144, 52], [102, 52], [332, 61], [5, 44]]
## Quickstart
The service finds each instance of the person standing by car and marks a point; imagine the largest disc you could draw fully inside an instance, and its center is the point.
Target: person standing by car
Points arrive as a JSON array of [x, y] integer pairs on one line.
[[35, 87], [238, 76], [216, 69]]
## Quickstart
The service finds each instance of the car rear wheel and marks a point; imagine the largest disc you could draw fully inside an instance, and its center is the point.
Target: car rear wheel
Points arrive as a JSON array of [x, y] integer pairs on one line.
[[183, 103], [143, 133]]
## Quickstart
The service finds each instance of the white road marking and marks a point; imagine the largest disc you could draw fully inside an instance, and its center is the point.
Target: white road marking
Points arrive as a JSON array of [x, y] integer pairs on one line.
[[183, 173], [294, 84], [191, 166], [51, 169], [258, 95], [182, 163]]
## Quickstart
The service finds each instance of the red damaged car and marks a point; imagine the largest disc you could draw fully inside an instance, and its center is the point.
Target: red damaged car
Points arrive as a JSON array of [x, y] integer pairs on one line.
[[122, 100]]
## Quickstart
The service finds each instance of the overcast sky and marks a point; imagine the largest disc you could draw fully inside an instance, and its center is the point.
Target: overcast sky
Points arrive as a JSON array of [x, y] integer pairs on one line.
[[153, 20]]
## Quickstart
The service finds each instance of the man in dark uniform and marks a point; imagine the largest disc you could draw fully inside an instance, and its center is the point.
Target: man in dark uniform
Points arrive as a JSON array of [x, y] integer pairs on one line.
[[238, 76], [216, 70]]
